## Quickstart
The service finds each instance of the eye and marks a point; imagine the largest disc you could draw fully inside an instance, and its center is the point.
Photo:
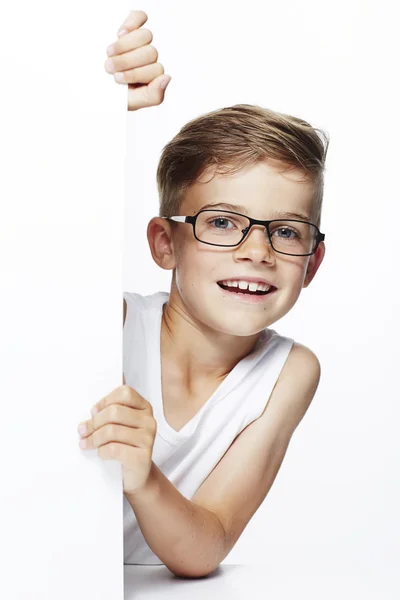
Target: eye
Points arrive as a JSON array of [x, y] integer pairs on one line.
[[288, 229], [219, 220]]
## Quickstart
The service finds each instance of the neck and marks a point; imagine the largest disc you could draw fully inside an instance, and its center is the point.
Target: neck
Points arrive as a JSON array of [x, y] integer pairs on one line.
[[193, 355]]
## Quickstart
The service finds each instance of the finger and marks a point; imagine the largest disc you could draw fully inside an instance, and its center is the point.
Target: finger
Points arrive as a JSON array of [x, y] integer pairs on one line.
[[124, 395], [140, 74], [149, 95], [130, 60], [134, 20], [131, 41], [115, 413], [127, 455], [140, 438]]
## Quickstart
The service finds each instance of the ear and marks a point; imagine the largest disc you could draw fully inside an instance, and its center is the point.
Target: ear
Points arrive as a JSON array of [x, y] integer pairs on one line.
[[160, 239], [314, 264]]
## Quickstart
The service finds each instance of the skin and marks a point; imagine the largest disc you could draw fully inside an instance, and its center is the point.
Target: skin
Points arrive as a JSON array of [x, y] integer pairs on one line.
[[133, 62], [206, 337], [204, 330], [122, 426]]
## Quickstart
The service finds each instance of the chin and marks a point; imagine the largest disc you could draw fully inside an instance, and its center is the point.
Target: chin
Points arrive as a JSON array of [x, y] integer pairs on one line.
[[235, 322]]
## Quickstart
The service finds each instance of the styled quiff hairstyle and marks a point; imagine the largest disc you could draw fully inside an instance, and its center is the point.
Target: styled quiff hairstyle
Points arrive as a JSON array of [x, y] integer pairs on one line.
[[234, 138]]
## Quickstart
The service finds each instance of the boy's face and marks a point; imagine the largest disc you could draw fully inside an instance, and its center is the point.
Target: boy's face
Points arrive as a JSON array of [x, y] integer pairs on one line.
[[262, 190]]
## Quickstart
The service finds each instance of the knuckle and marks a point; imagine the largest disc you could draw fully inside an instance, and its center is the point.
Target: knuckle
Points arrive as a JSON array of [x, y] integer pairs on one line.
[[140, 13], [122, 65], [113, 411], [149, 408], [118, 47], [113, 449], [147, 437], [144, 74], [133, 76], [147, 35], [152, 425], [153, 53], [137, 15], [111, 431], [126, 391]]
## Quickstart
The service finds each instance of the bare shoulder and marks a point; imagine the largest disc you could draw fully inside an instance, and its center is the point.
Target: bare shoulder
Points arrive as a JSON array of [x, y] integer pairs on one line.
[[237, 486], [300, 355], [301, 363], [293, 390]]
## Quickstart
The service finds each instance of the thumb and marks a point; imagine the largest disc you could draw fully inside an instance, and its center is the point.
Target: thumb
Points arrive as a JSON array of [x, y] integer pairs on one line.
[[156, 88]]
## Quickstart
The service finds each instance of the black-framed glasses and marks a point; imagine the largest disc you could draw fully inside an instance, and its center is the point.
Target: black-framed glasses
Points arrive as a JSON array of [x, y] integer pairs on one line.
[[227, 228]]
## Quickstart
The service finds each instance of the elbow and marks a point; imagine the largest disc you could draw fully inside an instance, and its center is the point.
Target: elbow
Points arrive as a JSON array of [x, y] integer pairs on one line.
[[196, 568], [201, 562], [191, 573]]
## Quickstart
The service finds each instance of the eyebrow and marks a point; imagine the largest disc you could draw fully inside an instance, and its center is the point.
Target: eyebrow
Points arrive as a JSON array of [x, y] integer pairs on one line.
[[243, 209]]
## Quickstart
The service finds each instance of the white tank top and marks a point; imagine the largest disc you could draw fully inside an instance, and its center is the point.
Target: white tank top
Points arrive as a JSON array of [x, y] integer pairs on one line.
[[188, 456]]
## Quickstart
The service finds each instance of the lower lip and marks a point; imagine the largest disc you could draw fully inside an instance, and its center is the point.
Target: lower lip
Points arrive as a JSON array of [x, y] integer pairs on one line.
[[248, 298]]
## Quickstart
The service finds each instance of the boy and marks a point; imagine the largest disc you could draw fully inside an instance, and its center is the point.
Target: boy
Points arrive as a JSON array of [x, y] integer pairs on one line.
[[226, 392]]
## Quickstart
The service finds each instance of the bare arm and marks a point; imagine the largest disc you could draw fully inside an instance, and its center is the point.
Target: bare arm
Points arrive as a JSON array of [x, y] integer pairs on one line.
[[193, 537], [189, 539]]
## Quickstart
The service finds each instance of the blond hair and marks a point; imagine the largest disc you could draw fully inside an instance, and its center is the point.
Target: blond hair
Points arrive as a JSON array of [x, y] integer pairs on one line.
[[236, 137]]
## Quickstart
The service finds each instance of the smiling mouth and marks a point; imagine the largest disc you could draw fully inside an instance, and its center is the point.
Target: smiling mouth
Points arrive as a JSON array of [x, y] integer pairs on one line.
[[237, 290]]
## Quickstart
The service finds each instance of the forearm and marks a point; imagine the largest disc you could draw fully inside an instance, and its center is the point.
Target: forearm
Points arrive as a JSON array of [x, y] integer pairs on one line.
[[188, 539]]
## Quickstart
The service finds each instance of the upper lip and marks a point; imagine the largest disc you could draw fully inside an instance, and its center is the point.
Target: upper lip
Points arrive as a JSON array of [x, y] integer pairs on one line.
[[246, 278]]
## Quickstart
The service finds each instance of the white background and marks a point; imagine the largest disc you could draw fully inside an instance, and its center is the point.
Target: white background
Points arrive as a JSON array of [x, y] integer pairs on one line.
[[63, 125]]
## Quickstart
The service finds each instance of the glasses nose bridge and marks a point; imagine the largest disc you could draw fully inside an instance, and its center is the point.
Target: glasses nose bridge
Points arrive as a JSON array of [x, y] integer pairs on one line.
[[264, 224]]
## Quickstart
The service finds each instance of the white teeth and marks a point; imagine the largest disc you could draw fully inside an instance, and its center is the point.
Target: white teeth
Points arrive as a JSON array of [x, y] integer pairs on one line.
[[244, 285]]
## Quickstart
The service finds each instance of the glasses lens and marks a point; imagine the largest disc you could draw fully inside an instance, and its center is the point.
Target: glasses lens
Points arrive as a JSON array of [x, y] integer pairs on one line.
[[221, 228], [226, 229], [293, 237]]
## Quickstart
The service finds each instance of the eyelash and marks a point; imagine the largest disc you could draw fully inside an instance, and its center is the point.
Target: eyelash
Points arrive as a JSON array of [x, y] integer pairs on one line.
[[230, 221]]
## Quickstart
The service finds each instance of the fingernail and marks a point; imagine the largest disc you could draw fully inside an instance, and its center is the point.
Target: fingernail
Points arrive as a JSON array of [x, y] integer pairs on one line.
[[82, 444], [164, 82], [82, 429], [110, 66], [122, 32], [120, 77], [94, 411], [111, 50]]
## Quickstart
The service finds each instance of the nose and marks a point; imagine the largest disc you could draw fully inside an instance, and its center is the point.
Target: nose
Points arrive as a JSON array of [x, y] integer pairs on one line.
[[256, 245]]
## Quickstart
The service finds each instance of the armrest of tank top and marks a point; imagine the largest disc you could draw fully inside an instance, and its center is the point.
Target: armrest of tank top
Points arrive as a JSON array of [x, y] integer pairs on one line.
[[132, 320], [131, 317]]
